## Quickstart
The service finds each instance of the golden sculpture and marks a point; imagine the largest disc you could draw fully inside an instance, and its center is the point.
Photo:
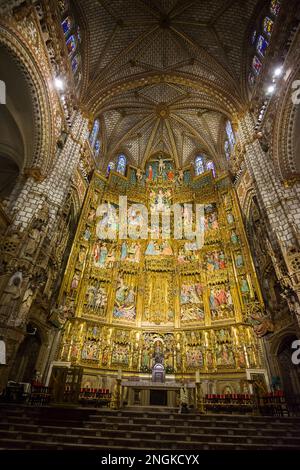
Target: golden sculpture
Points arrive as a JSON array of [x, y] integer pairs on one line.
[[130, 294]]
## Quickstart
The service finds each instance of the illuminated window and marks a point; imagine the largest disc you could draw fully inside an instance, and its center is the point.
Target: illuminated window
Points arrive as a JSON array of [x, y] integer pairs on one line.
[[251, 79], [199, 165], [268, 26], [79, 34], [227, 149], [97, 148], [67, 25], [94, 133], [275, 7], [211, 166], [256, 65], [202, 164], [230, 134], [262, 45], [75, 64], [121, 166], [110, 167], [71, 44], [73, 38], [261, 37]]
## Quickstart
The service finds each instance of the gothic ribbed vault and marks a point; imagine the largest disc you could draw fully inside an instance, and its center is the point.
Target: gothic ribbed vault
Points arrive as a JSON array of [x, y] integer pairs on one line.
[[166, 74]]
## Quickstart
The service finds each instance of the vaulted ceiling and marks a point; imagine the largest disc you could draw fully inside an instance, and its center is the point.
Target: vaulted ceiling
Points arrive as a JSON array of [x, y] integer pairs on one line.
[[164, 75]]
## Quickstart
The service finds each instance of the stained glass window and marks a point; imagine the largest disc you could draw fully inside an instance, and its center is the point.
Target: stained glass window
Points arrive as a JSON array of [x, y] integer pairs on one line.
[[78, 34], [202, 164], [73, 38], [251, 79], [211, 166], [230, 134], [110, 167], [75, 63], [253, 38], [268, 26], [67, 25], [94, 133], [227, 149], [262, 45], [97, 148], [275, 7], [256, 65], [199, 165], [71, 44], [121, 167]]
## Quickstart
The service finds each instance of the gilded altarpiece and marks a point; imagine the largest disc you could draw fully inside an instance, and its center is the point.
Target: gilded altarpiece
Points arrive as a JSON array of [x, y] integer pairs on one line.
[[133, 296]]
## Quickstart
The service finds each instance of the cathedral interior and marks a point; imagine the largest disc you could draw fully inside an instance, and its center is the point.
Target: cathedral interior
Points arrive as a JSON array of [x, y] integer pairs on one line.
[[150, 205]]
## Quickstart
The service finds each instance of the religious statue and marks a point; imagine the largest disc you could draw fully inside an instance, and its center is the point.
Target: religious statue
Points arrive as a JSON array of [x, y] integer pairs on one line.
[[234, 237], [90, 350], [261, 323], [87, 234], [245, 289], [160, 201], [124, 302], [110, 257], [170, 175], [150, 173], [131, 252], [91, 215], [19, 319], [101, 299], [81, 256], [239, 260], [103, 253], [166, 250], [230, 218], [263, 326], [211, 218], [215, 260], [145, 359], [124, 251], [75, 280], [158, 355], [180, 177], [60, 314], [139, 175], [161, 167], [34, 238], [220, 301], [12, 292]]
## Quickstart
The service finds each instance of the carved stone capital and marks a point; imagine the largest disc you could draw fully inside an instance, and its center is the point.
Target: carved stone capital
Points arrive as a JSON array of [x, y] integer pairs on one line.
[[35, 173]]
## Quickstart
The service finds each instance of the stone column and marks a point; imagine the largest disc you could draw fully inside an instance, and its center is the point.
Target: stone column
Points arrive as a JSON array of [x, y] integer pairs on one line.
[[55, 187], [281, 204], [51, 194]]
